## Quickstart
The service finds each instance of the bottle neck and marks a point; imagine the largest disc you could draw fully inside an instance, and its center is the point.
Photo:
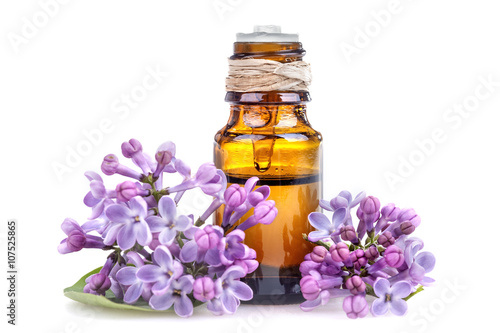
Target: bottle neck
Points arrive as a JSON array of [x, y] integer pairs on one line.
[[268, 97]]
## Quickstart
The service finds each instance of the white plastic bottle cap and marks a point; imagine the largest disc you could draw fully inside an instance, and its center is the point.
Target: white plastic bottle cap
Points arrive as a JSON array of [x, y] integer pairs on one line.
[[267, 34]]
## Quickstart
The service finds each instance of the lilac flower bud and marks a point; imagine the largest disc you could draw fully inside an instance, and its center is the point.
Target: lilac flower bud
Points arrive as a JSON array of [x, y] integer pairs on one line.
[[207, 238], [309, 287], [370, 205], [126, 191], [358, 258], [235, 195], [390, 212], [355, 306], [76, 240], [407, 228], [347, 233], [110, 164], [371, 253], [204, 289], [409, 215], [339, 252], [98, 284], [356, 285], [394, 256], [130, 148], [164, 155], [265, 212], [386, 239], [259, 195], [318, 254]]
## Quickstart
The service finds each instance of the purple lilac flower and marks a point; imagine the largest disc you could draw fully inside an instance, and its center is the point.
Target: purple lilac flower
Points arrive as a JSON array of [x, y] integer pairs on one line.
[[389, 213], [163, 272], [394, 256], [390, 297], [386, 239], [348, 233], [133, 150], [127, 190], [110, 165], [98, 284], [235, 196], [405, 215], [176, 295], [204, 289], [407, 228], [228, 250], [416, 264], [356, 285], [339, 252], [127, 276], [218, 198], [254, 198], [77, 238], [208, 238], [167, 223], [127, 224], [325, 227], [206, 178], [343, 200], [248, 262], [318, 254], [203, 239], [164, 156], [98, 198], [372, 253], [230, 290], [369, 207], [358, 259], [355, 306], [264, 213], [312, 285]]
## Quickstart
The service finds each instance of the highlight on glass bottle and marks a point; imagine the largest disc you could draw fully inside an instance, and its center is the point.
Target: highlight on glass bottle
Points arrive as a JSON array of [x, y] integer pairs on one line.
[[268, 135]]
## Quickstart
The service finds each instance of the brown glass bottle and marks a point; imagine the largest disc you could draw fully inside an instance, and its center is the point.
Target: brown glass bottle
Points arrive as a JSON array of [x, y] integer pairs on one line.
[[268, 136]]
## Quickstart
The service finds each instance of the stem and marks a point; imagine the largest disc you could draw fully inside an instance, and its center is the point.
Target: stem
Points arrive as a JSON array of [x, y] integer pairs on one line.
[[320, 243], [199, 222], [419, 289]]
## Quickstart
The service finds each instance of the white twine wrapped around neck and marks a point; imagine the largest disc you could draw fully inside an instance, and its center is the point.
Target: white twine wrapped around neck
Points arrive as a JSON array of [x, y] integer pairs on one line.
[[247, 75]]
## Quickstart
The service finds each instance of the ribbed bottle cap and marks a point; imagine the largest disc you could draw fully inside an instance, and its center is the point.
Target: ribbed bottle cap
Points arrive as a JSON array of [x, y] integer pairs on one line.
[[267, 34]]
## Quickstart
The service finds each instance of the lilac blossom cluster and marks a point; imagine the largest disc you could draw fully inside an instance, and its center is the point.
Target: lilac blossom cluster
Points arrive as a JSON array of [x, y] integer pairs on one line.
[[377, 257], [157, 255]]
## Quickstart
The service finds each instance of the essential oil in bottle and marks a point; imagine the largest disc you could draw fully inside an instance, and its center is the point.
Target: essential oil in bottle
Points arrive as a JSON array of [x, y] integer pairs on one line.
[[268, 136]]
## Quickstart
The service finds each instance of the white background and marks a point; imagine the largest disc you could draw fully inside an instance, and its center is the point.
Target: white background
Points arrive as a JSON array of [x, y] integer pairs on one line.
[[67, 76]]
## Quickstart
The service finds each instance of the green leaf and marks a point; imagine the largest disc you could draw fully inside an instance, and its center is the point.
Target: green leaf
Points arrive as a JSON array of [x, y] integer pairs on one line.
[[75, 292]]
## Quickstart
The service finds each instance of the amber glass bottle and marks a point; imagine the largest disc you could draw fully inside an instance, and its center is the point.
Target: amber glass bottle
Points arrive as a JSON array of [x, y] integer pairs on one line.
[[268, 136]]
